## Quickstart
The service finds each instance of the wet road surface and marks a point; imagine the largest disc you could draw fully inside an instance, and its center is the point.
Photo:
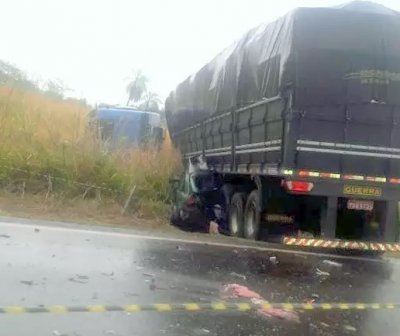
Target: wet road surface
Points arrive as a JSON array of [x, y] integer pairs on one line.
[[41, 265]]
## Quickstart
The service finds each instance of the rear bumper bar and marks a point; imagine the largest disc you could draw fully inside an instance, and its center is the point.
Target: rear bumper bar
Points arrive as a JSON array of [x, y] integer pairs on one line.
[[342, 244]]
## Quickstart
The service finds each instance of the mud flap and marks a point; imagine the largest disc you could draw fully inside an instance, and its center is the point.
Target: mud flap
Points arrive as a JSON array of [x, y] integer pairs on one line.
[[328, 218], [389, 222]]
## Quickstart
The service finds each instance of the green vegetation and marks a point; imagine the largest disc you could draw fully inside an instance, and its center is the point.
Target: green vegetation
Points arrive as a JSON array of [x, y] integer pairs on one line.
[[47, 148]]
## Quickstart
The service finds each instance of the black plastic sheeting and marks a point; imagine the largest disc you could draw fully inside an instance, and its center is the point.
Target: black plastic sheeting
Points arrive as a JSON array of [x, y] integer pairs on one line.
[[323, 56]]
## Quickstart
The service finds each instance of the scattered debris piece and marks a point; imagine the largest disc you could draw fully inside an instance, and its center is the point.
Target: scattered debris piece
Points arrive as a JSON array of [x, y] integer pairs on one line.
[[274, 260], [153, 284], [37, 230], [53, 256], [235, 291], [206, 331], [239, 291], [107, 274], [149, 275], [276, 312], [349, 328], [27, 282], [323, 324], [82, 277], [237, 275], [94, 296], [77, 281], [314, 298], [322, 273], [332, 263], [5, 236]]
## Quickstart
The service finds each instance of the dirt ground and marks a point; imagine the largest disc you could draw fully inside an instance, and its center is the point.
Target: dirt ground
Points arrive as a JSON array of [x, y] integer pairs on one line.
[[76, 210]]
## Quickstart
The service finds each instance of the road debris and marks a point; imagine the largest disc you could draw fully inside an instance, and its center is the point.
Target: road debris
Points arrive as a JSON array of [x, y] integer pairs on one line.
[[322, 273], [37, 230], [5, 236], [273, 260], [153, 284], [77, 280], [27, 282], [58, 333], [313, 299], [237, 275], [332, 263], [235, 291], [349, 328], [276, 312], [239, 291], [81, 277], [107, 274]]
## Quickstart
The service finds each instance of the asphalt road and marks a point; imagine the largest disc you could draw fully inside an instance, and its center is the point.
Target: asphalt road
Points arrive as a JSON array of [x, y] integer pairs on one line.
[[68, 265]]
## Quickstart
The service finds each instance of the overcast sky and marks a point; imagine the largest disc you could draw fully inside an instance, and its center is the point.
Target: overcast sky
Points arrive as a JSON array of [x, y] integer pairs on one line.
[[94, 45]]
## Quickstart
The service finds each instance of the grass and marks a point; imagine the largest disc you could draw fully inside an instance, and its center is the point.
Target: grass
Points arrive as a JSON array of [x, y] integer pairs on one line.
[[48, 150]]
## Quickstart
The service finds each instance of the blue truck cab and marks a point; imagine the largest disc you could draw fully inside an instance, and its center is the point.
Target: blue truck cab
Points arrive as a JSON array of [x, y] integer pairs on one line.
[[126, 126]]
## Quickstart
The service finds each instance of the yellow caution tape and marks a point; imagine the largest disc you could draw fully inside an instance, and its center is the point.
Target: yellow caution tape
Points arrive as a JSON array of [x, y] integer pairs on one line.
[[196, 307]]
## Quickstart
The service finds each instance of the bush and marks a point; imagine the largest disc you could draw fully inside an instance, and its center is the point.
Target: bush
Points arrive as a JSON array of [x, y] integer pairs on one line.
[[47, 146]]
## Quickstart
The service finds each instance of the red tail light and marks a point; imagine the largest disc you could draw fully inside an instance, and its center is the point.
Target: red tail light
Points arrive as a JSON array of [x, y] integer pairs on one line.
[[191, 201], [298, 186]]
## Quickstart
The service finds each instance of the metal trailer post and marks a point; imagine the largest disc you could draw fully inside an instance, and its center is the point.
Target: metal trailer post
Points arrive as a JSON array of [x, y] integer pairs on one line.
[[328, 218], [389, 221]]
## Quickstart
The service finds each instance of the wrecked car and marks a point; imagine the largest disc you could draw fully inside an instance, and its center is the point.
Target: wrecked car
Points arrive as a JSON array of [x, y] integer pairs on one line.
[[199, 203]]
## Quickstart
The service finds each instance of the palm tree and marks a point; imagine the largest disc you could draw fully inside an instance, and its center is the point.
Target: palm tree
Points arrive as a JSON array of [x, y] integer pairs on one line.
[[136, 87], [150, 102]]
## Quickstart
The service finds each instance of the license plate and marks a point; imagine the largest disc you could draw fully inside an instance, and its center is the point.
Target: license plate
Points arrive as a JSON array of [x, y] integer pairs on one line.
[[353, 204]]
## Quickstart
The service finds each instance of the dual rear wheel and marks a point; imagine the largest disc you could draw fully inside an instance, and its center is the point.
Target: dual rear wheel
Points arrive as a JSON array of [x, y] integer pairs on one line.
[[244, 215]]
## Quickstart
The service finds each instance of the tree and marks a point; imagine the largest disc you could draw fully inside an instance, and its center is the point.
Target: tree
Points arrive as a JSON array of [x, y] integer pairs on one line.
[[136, 87], [150, 102], [13, 76], [55, 88]]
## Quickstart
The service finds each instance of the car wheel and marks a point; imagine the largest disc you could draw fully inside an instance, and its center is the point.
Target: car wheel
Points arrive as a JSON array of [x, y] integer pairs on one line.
[[252, 216], [236, 215]]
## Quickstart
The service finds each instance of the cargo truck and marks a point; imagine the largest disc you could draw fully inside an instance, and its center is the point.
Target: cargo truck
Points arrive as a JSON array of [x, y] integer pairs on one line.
[[301, 120]]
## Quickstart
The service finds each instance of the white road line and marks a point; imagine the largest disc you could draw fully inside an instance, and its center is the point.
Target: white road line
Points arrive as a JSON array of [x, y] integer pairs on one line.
[[195, 242]]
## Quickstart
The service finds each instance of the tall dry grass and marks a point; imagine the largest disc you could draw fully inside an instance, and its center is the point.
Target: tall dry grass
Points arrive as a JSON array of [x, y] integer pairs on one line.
[[47, 147]]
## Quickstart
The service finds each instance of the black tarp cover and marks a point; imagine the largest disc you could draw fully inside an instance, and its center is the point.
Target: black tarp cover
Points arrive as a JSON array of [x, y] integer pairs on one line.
[[323, 55]]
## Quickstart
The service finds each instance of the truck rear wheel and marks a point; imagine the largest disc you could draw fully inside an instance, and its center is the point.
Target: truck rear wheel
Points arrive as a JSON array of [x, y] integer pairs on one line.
[[236, 215], [252, 216]]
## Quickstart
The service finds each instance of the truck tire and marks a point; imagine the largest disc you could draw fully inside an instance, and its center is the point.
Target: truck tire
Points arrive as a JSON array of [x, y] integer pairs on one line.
[[252, 216], [235, 219]]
